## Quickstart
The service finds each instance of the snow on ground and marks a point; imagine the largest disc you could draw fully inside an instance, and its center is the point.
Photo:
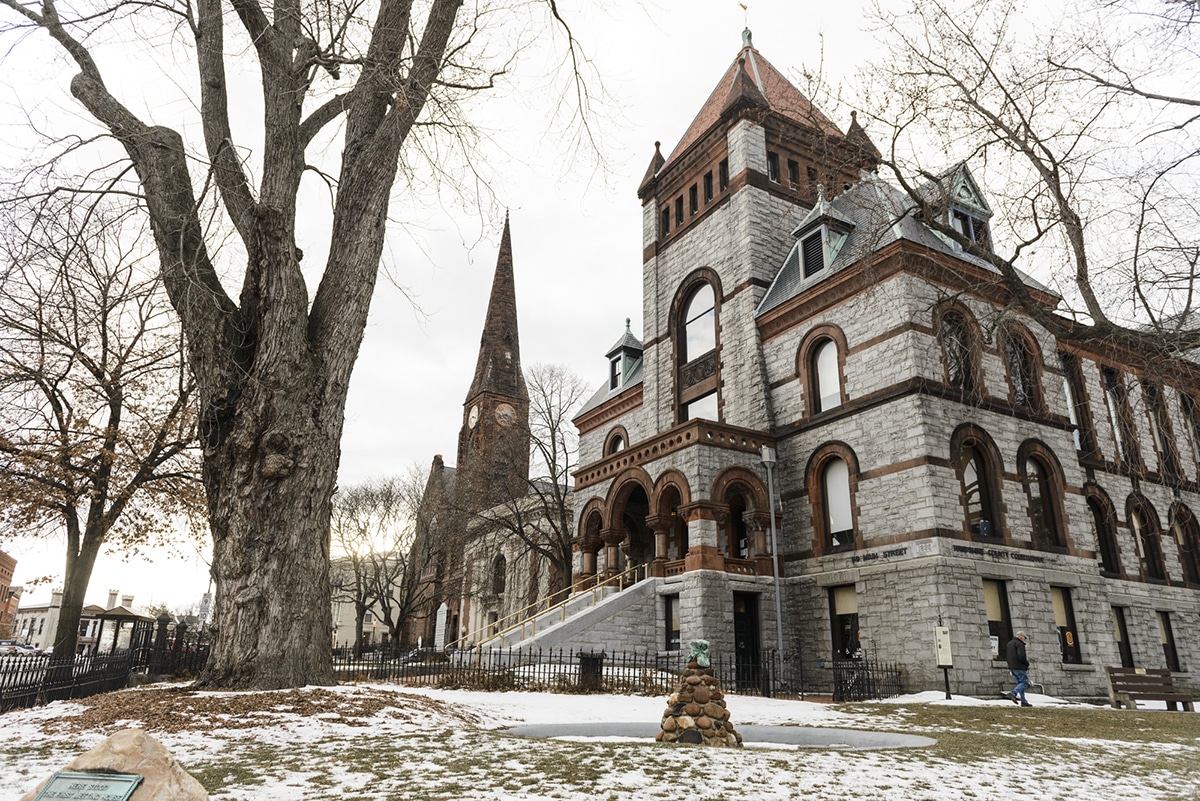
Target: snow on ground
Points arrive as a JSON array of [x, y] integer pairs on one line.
[[386, 742]]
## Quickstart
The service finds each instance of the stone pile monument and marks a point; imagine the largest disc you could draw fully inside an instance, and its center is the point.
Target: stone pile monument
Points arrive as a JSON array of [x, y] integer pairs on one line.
[[696, 712]]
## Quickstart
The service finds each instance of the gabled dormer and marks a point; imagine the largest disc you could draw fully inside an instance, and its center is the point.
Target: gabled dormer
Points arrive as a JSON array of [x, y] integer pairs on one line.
[[624, 358], [820, 237], [959, 203]]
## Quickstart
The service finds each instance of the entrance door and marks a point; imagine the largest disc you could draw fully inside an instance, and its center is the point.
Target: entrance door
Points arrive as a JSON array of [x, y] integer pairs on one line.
[[747, 651]]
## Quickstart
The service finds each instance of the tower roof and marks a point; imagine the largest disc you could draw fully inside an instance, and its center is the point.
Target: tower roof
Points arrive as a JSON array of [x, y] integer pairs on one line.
[[752, 79], [498, 370]]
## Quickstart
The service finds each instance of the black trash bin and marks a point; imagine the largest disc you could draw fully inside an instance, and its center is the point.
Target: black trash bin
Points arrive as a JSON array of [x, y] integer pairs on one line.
[[591, 670]]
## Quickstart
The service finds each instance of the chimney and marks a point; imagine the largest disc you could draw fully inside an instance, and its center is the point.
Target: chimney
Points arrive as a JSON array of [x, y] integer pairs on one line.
[[56, 598], [112, 599], [127, 602]]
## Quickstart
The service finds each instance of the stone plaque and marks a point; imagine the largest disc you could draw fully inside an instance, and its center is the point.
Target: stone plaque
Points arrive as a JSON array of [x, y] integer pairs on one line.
[[89, 787]]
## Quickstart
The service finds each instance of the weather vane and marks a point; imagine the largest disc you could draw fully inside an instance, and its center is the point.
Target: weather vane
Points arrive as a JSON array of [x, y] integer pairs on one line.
[[745, 14]]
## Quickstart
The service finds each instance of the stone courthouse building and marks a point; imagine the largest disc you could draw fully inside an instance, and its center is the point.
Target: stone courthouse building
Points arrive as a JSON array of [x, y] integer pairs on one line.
[[938, 457]]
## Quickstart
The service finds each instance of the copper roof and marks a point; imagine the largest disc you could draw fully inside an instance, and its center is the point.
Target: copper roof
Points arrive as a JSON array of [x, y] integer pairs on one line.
[[782, 98]]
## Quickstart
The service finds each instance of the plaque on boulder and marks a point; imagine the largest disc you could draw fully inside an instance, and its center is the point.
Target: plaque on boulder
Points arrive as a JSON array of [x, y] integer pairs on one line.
[[69, 786]]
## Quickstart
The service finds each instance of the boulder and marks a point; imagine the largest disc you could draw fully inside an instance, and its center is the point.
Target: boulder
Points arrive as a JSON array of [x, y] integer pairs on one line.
[[134, 751]]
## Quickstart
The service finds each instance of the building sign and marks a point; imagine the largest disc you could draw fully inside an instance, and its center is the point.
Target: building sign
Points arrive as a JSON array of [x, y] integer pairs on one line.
[[64, 786], [996, 553], [877, 555]]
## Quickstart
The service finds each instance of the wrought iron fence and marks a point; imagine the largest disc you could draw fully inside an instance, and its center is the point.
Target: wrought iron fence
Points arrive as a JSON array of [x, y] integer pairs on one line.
[[864, 679], [569, 670], [30, 680]]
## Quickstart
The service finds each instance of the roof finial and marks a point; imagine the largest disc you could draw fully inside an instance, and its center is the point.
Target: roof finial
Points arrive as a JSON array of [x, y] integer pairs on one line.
[[746, 37], [627, 321]]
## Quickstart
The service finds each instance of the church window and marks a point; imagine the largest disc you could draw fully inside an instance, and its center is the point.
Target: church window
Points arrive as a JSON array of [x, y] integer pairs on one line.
[[773, 167], [1146, 540], [1077, 410], [700, 323], [793, 172], [975, 457], [1160, 432], [1119, 418], [812, 252], [723, 170], [1103, 522], [1187, 543], [499, 577], [703, 408], [708, 187], [1043, 503], [838, 518], [694, 199], [1022, 371], [827, 384], [679, 211], [956, 350]]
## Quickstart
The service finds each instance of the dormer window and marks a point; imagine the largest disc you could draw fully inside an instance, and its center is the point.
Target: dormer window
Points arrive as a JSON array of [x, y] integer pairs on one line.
[[614, 372], [972, 228], [812, 253]]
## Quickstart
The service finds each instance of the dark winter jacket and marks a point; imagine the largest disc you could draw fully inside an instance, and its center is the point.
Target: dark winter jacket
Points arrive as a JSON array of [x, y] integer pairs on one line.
[[1016, 655]]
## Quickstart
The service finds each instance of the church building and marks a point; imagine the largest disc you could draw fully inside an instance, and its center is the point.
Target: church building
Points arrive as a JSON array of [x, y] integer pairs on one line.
[[837, 413]]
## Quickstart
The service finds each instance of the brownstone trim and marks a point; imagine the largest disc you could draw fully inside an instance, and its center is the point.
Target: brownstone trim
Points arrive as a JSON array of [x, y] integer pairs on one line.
[[1187, 542], [814, 475], [1060, 523], [610, 439], [610, 410], [1015, 334], [976, 388], [1151, 544], [806, 370], [991, 503], [891, 333], [1105, 525]]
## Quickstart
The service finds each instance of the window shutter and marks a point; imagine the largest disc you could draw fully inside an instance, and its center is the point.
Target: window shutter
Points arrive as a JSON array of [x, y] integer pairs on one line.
[[813, 252]]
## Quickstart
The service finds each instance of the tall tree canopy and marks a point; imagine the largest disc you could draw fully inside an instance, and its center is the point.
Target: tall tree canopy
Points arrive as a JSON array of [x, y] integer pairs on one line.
[[97, 422], [272, 362]]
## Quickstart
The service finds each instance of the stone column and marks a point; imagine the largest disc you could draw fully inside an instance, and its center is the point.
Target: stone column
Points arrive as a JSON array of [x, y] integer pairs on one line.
[[612, 537], [760, 524], [661, 524], [702, 521], [588, 547]]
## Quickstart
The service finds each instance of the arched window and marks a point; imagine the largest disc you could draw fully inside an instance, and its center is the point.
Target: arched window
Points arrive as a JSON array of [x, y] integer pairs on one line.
[[1042, 488], [831, 481], [1104, 524], [956, 351], [616, 441], [1022, 373], [499, 570], [1144, 527], [839, 520], [738, 532], [827, 384], [699, 323], [977, 492], [1187, 542]]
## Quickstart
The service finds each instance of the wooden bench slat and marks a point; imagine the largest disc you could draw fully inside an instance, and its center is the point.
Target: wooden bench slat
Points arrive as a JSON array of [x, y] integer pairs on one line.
[[1129, 685]]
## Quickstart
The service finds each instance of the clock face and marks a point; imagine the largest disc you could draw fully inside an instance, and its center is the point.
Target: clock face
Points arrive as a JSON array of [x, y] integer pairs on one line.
[[505, 414], [473, 417]]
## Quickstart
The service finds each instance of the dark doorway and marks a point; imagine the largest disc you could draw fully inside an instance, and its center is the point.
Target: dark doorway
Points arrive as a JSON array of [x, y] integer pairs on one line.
[[639, 543], [1122, 635], [746, 640]]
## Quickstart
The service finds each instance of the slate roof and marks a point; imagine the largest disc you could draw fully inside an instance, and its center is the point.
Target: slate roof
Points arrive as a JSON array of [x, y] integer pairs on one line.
[[750, 73], [881, 215], [603, 394]]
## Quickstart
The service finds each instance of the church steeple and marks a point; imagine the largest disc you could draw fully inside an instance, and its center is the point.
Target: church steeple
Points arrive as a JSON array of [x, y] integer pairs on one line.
[[498, 369], [493, 444]]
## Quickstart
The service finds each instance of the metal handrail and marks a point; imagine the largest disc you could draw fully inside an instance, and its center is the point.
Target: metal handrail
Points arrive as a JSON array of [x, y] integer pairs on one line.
[[528, 616]]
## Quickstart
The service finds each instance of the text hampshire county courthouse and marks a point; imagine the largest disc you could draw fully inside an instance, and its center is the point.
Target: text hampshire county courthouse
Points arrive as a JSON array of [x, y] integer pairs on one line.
[[941, 458]]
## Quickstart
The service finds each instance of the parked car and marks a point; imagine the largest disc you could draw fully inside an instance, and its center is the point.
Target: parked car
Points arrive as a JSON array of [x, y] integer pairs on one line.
[[14, 648]]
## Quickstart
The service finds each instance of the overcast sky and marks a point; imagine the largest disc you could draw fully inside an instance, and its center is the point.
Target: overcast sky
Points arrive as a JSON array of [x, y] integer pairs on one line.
[[576, 235]]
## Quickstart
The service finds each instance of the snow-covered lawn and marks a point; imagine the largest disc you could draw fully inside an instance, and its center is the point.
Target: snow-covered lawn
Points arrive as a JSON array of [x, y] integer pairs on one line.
[[373, 741]]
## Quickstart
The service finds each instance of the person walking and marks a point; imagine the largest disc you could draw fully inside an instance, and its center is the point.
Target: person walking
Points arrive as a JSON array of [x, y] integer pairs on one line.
[[1018, 666]]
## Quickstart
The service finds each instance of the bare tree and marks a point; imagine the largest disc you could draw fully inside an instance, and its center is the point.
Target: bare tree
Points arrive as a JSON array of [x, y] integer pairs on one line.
[[540, 517], [97, 424], [1084, 129], [273, 363]]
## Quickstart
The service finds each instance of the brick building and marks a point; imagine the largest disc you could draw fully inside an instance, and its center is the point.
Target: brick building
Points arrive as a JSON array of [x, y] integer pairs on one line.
[[939, 457]]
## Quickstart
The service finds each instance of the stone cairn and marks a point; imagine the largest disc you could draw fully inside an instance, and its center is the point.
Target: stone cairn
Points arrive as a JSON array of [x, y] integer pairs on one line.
[[696, 712]]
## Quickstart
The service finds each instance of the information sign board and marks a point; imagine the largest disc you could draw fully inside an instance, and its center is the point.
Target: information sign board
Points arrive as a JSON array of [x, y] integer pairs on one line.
[[67, 786], [941, 642]]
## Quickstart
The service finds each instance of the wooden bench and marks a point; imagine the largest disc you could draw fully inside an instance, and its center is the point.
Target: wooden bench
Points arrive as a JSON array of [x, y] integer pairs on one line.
[[1127, 686]]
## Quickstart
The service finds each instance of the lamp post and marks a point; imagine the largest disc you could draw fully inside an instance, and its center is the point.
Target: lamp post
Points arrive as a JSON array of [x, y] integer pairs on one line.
[[768, 460]]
